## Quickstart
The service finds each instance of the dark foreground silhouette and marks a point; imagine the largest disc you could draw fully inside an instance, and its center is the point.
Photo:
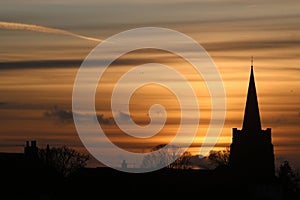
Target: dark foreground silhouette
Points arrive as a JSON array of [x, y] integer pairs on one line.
[[107, 183], [43, 174]]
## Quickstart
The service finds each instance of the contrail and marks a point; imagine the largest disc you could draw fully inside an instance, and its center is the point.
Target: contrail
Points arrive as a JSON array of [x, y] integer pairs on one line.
[[43, 29]]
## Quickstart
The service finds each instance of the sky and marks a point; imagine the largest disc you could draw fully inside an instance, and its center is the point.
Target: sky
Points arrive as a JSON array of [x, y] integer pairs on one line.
[[43, 44]]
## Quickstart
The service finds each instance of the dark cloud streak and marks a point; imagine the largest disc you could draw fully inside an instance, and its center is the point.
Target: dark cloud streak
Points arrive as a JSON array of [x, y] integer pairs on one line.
[[66, 116], [228, 46]]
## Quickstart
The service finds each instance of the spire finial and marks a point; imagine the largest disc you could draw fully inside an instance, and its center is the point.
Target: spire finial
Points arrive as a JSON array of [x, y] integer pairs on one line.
[[251, 62]]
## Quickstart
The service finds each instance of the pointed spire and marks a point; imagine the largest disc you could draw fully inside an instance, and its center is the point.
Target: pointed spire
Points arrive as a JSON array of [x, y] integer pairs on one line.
[[251, 116]]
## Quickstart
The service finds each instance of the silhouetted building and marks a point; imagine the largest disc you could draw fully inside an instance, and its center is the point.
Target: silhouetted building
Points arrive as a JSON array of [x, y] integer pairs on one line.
[[31, 150], [20, 160], [26, 176], [251, 151]]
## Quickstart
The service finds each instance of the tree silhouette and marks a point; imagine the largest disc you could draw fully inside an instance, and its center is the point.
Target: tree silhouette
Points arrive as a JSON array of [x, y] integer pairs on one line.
[[63, 159], [220, 158], [165, 157], [289, 179], [183, 162]]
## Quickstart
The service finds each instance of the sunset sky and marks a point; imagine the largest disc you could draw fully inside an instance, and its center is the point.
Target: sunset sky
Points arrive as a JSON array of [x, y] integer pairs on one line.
[[38, 67]]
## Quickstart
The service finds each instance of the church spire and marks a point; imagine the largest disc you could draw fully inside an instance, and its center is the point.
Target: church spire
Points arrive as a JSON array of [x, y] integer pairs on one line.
[[251, 116]]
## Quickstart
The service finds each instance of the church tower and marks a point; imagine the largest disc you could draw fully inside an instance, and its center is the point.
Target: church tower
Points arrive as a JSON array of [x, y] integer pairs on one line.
[[251, 150]]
